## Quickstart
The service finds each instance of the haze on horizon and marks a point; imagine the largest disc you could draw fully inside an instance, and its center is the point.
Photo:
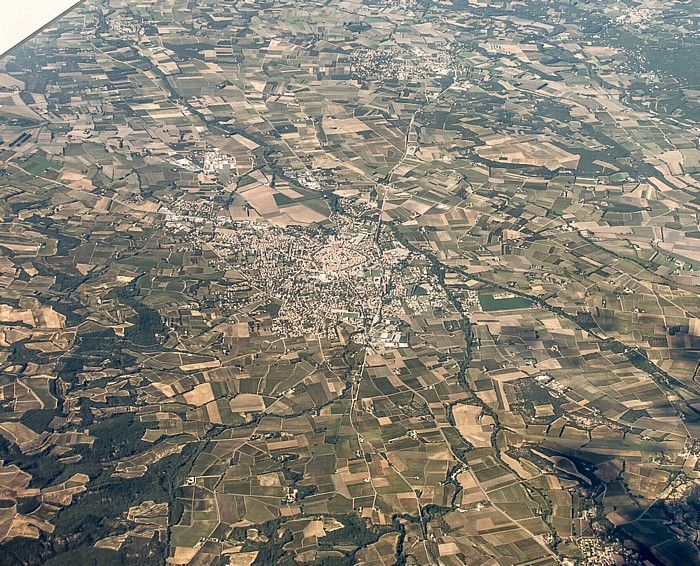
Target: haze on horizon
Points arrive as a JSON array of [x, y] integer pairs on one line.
[[20, 19]]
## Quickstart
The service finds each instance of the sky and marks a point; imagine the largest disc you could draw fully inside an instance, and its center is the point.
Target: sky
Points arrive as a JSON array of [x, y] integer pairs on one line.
[[21, 18]]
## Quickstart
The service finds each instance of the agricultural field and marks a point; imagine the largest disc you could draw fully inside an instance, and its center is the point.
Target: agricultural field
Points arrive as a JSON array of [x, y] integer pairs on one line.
[[391, 282]]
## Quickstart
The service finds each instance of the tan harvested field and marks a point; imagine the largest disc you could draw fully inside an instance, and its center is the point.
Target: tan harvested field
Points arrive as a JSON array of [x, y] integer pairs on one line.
[[527, 152], [10, 314], [472, 425], [247, 402], [17, 433], [200, 395], [200, 366]]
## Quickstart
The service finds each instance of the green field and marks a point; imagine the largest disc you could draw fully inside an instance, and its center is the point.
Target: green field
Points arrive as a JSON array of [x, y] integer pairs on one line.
[[490, 303], [41, 165]]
